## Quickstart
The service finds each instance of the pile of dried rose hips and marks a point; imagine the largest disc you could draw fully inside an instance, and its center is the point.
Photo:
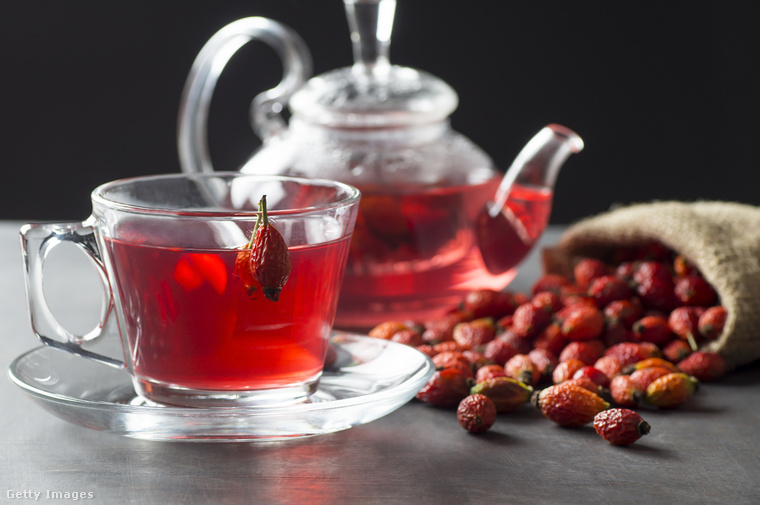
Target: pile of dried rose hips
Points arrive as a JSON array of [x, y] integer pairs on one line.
[[626, 334]]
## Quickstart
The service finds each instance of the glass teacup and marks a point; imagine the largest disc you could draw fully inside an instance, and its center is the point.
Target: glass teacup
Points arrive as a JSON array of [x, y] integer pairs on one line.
[[194, 330]]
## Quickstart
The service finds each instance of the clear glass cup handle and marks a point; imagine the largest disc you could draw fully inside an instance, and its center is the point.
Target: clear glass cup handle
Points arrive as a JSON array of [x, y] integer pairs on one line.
[[37, 240], [266, 108]]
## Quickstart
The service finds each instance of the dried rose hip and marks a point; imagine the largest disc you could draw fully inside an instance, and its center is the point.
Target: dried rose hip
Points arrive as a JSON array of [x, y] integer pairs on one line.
[[547, 301], [581, 322], [441, 329], [453, 359], [695, 291], [447, 346], [684, 322], [625, 312], [474, 333], [504, 322], [243, 269], [589, 269], [652, 329], [671, 390], [597, 376], [704, 365], [620, 426], [489, 372], [585, 383], [569, 405], [615, 333], [574, 295], [654, 285], [446, 388], [643, 377], [545, 362], [426, 349], [550, 282], [551, 339], [712, 321], [270, 258], [629, 353], [408, 337], [528, 320], [499, 351], [566, 370], [522, 368], [676, 350], [506, 393], [609, 365], [476, 413], [387, 329], [652, 362], [625, 270], [607, 289], [489, 303], [520, 298], [587, 351], [476, 359], [523, 345], [624, 391], [683, 267]]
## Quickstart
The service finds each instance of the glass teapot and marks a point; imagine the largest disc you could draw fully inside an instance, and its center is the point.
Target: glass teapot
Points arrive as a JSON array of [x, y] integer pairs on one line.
[[436, 218]]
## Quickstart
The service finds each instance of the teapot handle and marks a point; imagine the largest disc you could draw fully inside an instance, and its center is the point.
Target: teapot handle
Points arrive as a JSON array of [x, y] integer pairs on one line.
[[266, 108]]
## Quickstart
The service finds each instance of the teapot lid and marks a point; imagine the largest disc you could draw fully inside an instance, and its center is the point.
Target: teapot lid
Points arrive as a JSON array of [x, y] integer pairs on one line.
[[373, 93]]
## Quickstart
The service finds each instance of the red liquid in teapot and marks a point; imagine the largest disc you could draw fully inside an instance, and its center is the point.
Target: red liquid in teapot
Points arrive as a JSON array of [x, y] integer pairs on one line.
[[191, 322], [413, 256]]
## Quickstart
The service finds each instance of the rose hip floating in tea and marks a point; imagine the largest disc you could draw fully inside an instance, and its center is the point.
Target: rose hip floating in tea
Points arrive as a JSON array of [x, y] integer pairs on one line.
[[437, 218], [269, 258]]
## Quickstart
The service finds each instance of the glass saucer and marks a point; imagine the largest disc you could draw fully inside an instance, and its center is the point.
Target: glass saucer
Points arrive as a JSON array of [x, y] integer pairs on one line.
[[369, 379]]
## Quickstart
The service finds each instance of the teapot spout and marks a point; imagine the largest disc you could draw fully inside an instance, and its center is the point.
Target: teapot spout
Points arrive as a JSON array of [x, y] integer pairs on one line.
[[538, 163], [509, 226]]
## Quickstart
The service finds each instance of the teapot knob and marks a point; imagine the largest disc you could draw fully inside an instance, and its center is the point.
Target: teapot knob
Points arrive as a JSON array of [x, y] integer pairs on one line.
[[266, 108], [371, 24]]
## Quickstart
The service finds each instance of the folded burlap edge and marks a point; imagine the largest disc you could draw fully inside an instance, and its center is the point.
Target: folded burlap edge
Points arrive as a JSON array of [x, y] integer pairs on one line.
[[722, 239]]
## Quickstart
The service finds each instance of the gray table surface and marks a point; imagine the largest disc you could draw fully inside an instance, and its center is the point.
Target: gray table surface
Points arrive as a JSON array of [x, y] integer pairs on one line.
[[705, 452]]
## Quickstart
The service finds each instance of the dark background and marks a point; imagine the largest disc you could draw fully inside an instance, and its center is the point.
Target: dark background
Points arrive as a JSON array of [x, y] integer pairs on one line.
[[665, 94]]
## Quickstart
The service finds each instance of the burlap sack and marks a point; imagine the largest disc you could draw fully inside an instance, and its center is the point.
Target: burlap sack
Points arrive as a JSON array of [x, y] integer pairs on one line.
[[721, 239]]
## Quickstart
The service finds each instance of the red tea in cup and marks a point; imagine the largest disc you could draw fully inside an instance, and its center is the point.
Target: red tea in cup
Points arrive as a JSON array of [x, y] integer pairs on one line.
[[192, 322]]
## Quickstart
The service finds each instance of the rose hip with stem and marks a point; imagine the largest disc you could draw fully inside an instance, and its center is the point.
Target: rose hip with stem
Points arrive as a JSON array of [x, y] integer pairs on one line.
[[270, 258]]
